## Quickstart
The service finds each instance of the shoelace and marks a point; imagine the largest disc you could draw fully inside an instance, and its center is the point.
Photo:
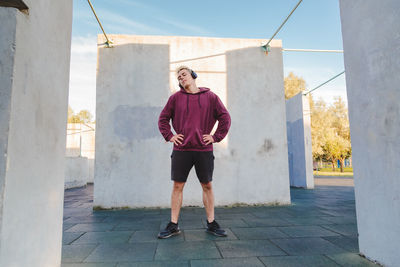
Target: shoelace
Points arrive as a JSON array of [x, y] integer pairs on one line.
[[213, 225], [170, 226]]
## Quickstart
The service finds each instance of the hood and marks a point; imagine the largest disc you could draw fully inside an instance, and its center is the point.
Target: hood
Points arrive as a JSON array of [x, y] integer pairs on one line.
[[202, 90]]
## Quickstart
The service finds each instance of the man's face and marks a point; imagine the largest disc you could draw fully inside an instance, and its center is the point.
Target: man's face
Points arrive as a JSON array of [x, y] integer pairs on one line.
[[184, 78]]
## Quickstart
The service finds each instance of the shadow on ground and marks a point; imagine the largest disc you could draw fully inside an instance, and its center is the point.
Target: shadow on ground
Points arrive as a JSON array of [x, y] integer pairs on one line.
[[318, 229]]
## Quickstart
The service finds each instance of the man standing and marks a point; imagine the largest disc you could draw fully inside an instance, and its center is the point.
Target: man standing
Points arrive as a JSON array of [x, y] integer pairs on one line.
[[194, 112]]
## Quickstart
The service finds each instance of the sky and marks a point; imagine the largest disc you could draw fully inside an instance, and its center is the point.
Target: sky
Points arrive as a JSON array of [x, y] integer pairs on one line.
[[314, 25]]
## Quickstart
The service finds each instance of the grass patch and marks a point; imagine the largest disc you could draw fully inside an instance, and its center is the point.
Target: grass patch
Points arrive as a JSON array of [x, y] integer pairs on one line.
[[331, 173]]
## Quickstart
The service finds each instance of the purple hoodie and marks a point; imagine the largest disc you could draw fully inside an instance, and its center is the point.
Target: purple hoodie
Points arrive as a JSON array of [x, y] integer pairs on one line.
[[194, 115]]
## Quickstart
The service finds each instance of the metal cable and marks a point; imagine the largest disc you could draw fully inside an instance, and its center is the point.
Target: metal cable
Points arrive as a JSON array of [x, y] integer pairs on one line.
[[306, 93], [108, 42], [283, 23]]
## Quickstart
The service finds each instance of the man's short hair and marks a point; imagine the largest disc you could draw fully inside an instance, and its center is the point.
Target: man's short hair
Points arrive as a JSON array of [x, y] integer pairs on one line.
[[182, 67]]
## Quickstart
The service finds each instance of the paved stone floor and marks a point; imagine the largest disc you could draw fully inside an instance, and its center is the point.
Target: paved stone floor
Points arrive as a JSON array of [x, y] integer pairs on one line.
[[318, 229]]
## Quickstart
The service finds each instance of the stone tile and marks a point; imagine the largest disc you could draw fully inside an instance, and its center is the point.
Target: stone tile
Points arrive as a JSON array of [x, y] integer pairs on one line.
[[307, 246], [266, 222], [68, 238], [341, 219], [349, 243], [104, 237], [233, 262], [351, 259], [201, 235], [84, 219], [187, 251], [155, 264], [187, 224], [151, 236], [136, 225], [298, 261], [344, 229], [91, 227], [308, 220], [248, 248], [88, 264], [66, 226], [229, 223], [258, 233], [122, 252], [76, 253], [307, 213], [227, 216], [306, 231]]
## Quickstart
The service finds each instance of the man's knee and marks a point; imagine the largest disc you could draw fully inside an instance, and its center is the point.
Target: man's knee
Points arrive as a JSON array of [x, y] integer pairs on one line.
[[207, 186], [178, 186]]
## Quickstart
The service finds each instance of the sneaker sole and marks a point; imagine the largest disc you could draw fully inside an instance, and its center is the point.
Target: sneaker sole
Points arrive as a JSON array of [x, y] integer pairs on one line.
[[219, 235], [164, 237]]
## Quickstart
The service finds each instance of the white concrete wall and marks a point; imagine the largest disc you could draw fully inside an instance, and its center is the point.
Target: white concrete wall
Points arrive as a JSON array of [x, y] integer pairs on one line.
[[299, 141], [7, 33], [35, 97], [257, 145], [135, 78], [81, 140], [371, 42], [131, 161], [76, 172]]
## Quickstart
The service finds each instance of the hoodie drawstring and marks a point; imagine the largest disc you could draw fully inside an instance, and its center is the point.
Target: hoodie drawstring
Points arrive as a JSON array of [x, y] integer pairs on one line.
[[187, 102], [199, 100]]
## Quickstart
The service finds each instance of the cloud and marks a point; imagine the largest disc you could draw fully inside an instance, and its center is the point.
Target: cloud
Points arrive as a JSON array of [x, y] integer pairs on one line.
[[160, 15], [82, 82], [122, 24]]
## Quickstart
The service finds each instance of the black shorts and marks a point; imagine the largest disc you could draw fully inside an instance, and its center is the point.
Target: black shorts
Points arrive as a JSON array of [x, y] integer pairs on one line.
[[183, 161]]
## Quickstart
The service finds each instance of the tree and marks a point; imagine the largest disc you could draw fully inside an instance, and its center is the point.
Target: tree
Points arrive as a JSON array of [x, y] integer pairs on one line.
[[293, 85], [330, 131], [336, 148], [85, 116]]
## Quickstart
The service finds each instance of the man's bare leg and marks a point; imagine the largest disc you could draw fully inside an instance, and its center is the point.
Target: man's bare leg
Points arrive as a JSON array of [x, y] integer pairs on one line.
[[176, 200], [208, 200]]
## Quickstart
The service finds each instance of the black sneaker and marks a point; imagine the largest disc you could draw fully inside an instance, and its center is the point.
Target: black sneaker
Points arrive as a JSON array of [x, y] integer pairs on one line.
[[171, 230], [214, 229]]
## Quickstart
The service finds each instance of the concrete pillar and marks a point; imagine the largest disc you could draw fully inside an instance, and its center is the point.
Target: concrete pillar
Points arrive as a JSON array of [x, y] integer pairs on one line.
[[371, 41], [34, 76], [76, 172], [132, 163], [298, 123], [257, 139]]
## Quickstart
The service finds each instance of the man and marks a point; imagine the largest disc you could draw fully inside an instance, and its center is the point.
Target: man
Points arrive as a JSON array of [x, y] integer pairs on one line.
[[194, 112]]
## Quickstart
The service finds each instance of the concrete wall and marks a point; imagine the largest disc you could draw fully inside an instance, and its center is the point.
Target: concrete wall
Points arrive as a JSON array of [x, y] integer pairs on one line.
[[76, 172], [135, 78], [81, 143], [34, 95], [81, 140], [298, 123], [257, 145], [371, 41], [7, 33]]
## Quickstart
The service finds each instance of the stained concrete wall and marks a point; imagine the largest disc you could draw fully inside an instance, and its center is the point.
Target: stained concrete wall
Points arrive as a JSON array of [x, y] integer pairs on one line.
[[371, 41], [34, 76], [298, 123], [135, 78], [257, 146]]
